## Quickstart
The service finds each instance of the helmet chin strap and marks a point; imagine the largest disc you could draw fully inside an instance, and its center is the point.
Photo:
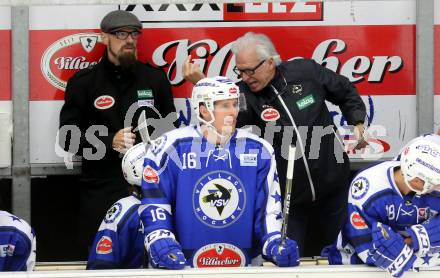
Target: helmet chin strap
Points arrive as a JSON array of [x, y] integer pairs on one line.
[[224, 137]]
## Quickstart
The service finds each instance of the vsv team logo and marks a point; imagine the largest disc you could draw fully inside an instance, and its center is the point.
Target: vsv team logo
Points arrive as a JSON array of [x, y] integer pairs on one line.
[[219, 199]]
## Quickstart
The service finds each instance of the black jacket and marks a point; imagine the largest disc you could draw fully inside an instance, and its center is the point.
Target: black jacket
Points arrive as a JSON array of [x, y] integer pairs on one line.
[[107, 86], [302, 87]]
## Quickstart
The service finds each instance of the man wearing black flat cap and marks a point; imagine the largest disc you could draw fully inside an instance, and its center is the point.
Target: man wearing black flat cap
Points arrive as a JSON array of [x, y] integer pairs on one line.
[[101, 101]]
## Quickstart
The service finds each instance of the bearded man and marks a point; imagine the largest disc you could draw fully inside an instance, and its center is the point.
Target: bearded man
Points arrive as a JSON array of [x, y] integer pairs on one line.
[[97, 120]]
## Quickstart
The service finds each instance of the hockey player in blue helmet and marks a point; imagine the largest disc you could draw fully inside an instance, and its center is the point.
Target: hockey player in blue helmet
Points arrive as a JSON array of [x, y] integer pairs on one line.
[[211, 196]]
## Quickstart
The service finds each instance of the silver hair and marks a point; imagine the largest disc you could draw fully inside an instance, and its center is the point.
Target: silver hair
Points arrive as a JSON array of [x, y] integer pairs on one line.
[[262, 43]]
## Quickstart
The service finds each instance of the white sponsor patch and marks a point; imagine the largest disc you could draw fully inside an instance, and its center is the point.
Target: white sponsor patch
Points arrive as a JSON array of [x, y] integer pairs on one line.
[[248, 159], [6, 250], [146, 103]]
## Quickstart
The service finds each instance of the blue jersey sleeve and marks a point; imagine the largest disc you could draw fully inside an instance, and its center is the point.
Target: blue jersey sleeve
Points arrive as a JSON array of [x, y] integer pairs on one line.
[[119, 240], [17, 244], [268, 214], [158, 190]]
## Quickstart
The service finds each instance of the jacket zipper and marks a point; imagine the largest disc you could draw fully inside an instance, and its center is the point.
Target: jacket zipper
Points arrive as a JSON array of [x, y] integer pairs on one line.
[[299, 139]]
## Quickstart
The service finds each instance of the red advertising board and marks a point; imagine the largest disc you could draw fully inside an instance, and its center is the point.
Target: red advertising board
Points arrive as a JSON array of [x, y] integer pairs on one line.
[[5, 65], [370, 42], [379, 59], [436, 59]]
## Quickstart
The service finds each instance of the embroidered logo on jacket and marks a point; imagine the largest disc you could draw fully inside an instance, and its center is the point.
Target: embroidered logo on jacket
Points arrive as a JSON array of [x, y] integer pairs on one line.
[[297, 89], [270, 115], [104, 102], [305, 102], [145, 98], [144, 94]]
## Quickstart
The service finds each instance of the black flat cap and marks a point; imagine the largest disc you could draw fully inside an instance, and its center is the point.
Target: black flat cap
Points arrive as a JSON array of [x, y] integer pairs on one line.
[[119, 19]]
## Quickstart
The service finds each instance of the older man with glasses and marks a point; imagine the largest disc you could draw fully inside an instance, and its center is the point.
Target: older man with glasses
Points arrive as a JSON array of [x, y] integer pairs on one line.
[[286, 100], [102, 104]]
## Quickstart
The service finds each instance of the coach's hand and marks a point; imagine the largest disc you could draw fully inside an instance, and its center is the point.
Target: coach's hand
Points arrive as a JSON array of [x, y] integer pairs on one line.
[[191, 72], [123, 140]]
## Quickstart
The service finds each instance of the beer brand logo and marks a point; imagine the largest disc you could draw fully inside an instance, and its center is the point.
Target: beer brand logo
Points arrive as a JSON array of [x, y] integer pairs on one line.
[[357, 221], [219, 199], [104, 102], [150, 175], [69, 54], [104, 246], [270, 115], [219, 255], [88, 42]]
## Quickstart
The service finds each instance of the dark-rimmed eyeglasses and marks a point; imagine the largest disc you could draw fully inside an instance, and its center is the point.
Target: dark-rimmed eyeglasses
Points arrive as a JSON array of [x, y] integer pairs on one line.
[[248, 72], [122, 35]]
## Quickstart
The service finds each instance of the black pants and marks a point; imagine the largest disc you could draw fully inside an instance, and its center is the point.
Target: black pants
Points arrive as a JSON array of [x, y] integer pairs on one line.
[[317, 224], [96, 197]]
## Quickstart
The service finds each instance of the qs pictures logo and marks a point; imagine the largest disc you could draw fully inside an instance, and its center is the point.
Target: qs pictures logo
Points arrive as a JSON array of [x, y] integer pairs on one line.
[[69, 54]]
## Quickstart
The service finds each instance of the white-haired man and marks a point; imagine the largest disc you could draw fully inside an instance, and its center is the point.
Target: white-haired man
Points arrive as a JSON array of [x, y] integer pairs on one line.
[[287, 102], [211, 196]]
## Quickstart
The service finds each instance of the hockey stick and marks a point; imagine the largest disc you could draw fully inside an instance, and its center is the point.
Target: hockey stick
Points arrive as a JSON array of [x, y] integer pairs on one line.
[[287, 196], [143, 129]]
